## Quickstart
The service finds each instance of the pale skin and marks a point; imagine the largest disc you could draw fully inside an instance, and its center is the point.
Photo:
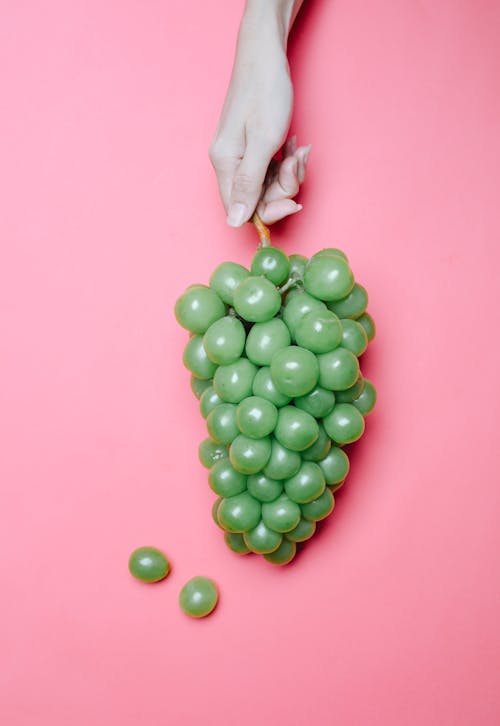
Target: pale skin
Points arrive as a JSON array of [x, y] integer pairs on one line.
[[255, 120]]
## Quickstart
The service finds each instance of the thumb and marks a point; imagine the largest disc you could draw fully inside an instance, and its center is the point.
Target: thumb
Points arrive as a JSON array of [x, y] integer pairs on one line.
[[247, 183]]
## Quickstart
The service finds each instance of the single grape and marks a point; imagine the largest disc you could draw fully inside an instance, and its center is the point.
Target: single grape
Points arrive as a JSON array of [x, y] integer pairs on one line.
[[283, 463], [284, 554], [263, 386], [198, 386], [233, 382], [352, 305], [368, 324], [240, 513], [354, 336], [344, 424], [262, 540], [249, 455], [297, 266], [198, 308], [225, 481], [282, 515], [236, 543], [319, 508], [365, 402], [307, 484], [299, 303], [331, 251], [198, 597], [264, 488], [328, 277], [209, 452], [303, 531], [221, 423], [264, 339], [338, 369], [256, 299], [350, 393], [215, 509], [319, 331], [294, 370], [256, 417], [319, 402], [209, 400], [320, 448], [225, 279], [196, 360], [271, 262], [148, 564], [335, 466], [224, 341], [296, 429]]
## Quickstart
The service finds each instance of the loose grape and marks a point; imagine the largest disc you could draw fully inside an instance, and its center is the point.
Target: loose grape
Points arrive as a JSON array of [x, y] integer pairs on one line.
[[209, 400], [354, 337], [320, 448], [350, 393], [224, 341], [264, 339], [198, 308], [299, 303], [335, 466], [331, 251], [297, 266], [226, 278], [209, 452], [307, 484], [303, 531], [344, 424], [233, 382], [236, 543], [365, 402], [282, 515], [215, 509], [198, 386], [256, 417], [263, 386], [283, 463], [319, 508], [240, 513], [352, 305], [319, 402], [368, 324], [284, 554], [225, 481], [294, 370], [338, 369], [296, 429], [271, 262], [328, 277], [196, 360], [256, 299], [249, 455], [198, 597], [262, 540], [148, 564], [319, 331], [264, 488]]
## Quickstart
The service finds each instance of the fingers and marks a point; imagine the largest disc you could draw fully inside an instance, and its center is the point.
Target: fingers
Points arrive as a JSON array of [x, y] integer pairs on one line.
[[248, 181], [286, 183], [279, 209], [283, 184]]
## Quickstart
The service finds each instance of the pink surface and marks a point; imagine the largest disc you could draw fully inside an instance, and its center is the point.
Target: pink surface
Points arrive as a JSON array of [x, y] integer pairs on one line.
[[109, 209]]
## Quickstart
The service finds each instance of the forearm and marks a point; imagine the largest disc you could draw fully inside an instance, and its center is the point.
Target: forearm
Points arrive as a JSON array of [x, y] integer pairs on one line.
[[268, 20]]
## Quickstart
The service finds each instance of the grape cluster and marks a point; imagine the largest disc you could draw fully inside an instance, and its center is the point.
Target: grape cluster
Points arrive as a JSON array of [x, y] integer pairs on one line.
[[273, 354]]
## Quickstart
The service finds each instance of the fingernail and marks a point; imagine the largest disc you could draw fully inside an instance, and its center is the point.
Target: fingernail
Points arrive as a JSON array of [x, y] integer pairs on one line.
[[307, 152], [238, 212], [299, 207]]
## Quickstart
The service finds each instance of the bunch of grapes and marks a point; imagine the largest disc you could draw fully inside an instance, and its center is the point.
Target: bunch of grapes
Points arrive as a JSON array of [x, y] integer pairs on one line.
[[274, 357]]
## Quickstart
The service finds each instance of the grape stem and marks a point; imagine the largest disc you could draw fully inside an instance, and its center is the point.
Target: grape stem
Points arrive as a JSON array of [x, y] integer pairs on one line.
[[263, 231], [293, 280]]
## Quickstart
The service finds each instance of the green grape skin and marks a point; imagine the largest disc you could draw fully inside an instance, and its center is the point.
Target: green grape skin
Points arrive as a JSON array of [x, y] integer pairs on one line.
[[299, 303], [335, 466], [256, 417], [263, 386], [307, 484], [354, 337], [335, 487], [148, 564], [249, 456], [338, 369], [352, 305], [224, 341], [271, 262], [240, 513], [345, 424], [320, 448], [196, 360], [319, 402], [198, 308], [351, 393], [365, 402], [282, 515], [256, 299], [236, 543], [198, 597], [331, 251], [368, 324], [328, 278], [265, 339], [319, 508], [209, 452], [302, 532], [294, 370], [225, 481], [215, 509], [198, 386], [283, 463], [221, 423], [297, 266], [209, 400], [284, 554], [296, 429], [319, 331], [264, 488], [234, 382], [262, 540], [225, 279]]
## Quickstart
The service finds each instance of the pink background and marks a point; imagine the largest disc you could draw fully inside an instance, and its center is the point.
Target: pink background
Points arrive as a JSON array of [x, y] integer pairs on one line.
[[109, 209]]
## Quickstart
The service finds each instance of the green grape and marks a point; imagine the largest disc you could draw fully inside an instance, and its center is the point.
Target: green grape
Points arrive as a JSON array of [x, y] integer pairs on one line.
[[319, 331], [209, 452], [221, 423], [196, 360], [264, 488], [365, 402], [198, 308], [263, 386], [215, 509], [256, 417], [328, 277], [224, 341], [148, 564], [198, 386], [307, 484], [236, 543], [303, 531], [284, 554], [264, 339], [256, 299], [368, 324], [353, 337], [297, 266], [352, 305], [271, 262], [209, 400], [249, 455], [335, 487], [282, 515], [296, 429], [331, 251], [294, 370], [338, 369], [262, 540], [240, 513], [226, 278], [344, 424], [283, 463], [233, 382], [319, 402], [225, 481], [335, 466], [350, 393], [198, 597], [320, 448], [299, 303], [319, 508]]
